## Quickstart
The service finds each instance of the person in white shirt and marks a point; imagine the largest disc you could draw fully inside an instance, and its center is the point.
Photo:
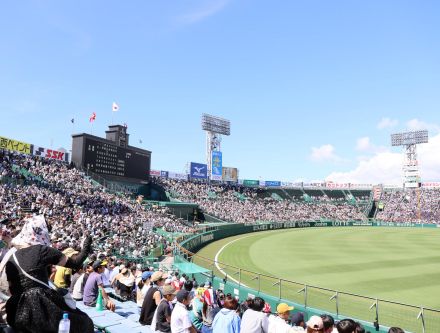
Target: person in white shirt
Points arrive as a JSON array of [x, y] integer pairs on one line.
[[278, 323], [298, 323], [180, 321], [254, 320]]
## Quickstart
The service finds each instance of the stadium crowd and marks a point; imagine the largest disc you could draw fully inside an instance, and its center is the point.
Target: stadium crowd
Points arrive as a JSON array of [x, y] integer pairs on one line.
[[411, 205], [74, 206], [243, 205]]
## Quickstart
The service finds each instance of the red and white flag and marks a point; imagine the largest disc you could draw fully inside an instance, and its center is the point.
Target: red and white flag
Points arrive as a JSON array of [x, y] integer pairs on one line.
[[92, 117], [115, 107]]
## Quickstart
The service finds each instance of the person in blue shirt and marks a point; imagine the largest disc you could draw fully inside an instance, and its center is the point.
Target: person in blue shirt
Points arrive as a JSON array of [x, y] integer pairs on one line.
[[227, 320]]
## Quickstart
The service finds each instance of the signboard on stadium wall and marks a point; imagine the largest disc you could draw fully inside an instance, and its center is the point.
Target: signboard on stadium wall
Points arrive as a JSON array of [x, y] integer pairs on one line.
[[164, 174], [14, 145], [196, 242], [251, 182], [198, 171], [180, 176], [431, 185], [336, 185], [50, 153], [230, 174], [155, 173], [216, 165], [272, 183]]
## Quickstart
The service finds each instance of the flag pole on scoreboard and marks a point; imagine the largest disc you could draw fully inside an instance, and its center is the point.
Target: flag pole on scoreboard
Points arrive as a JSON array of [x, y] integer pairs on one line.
[[92, 120], [73, 124], [115, 108]]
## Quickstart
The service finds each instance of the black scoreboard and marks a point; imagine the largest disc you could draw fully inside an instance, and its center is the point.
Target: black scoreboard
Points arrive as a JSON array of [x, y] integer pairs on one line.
[[107, 159]]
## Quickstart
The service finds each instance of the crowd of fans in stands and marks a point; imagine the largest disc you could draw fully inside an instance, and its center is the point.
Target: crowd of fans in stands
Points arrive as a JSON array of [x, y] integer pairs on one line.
[[243, 205], [411, 205], [73, 205]]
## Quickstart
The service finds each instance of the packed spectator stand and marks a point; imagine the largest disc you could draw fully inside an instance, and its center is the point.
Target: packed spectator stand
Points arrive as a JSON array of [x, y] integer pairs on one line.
[[249, 205], [413, 205]]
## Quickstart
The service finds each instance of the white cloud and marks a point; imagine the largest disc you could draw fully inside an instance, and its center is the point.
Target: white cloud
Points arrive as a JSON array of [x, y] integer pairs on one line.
[[417, 124], [363, 144], [324, 153], [386, 167], [210, 8], [386, 122]]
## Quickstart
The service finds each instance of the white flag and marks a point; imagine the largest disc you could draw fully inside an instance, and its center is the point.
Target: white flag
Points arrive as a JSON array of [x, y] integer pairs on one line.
[[115, 107]]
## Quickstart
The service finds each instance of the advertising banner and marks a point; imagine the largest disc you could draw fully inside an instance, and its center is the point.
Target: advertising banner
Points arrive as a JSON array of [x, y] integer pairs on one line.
[[361, 186], [251, 182], [50, 153], [164, 174], [10, 144], [198, 170], [155, 173], [217, 163], [272, 183], [337, 185], [431, 184], [180, 176], [230, 174]]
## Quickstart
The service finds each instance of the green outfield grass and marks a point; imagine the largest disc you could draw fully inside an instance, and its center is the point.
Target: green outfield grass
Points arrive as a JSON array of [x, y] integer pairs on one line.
[[399, 264]]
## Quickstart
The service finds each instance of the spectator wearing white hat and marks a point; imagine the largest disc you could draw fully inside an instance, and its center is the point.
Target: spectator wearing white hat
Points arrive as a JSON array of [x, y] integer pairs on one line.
[[315, 325]]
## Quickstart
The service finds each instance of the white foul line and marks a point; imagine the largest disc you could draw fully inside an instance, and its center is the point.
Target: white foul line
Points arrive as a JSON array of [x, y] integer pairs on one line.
[[218, 254]]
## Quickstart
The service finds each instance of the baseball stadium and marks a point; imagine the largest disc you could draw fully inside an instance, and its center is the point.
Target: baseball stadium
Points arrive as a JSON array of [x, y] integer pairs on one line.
[[359, 252], [219, 166]]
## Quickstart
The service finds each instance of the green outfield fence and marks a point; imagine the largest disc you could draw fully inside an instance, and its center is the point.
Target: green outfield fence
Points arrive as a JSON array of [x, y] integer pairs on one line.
[[307, 298]]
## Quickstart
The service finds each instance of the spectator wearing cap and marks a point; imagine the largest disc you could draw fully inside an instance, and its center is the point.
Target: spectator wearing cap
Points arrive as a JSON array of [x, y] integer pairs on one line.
[[227, 319], [152, 298], [162, 318], [298, 322], [93, 284], [315, 325], [63, 275], [180, 321], [106, 274], [278, 323], [254, 320], [142, 287], [329, 323]]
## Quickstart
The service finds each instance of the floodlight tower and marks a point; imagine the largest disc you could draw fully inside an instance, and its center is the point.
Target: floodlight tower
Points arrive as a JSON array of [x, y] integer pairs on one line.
[[215, 127], [410, 140]]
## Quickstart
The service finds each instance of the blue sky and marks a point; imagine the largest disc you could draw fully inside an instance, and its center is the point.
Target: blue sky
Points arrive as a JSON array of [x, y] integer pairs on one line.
[[313, 89]]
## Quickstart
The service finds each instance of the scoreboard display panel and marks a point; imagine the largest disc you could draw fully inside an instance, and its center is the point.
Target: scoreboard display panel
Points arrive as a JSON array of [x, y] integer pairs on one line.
[[110, 160]]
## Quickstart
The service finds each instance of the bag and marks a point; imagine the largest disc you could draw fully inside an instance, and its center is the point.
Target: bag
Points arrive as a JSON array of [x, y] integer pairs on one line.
[[61, 291]]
